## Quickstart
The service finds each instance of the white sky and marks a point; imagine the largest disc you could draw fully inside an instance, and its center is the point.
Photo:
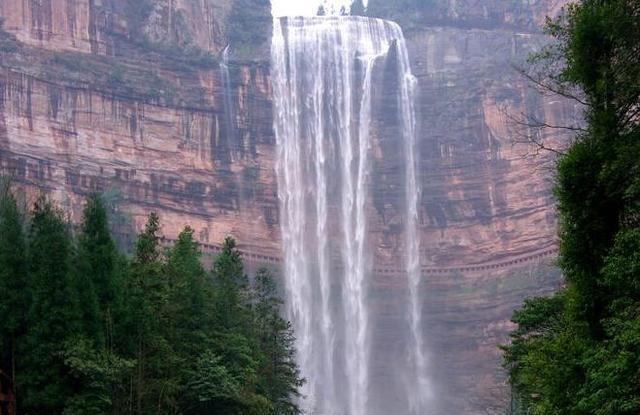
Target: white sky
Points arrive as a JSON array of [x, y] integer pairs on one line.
[[304, 7]]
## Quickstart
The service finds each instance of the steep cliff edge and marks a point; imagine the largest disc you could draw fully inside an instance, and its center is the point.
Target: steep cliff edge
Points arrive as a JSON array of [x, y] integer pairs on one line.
[[109, 95]]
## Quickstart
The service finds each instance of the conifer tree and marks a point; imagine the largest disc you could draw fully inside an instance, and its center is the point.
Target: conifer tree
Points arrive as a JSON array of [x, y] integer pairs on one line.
[[231, 285], [96, 268], [186, 342], [146, 293], [279, 374], [13, 283], [53, 316], [188, 294]]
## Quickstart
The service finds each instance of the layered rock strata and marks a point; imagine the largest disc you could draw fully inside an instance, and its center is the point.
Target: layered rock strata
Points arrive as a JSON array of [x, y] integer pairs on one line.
[[85, 106]]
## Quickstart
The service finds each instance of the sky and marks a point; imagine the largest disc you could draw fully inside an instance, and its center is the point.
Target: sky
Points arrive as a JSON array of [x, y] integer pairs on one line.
[[304, 7]]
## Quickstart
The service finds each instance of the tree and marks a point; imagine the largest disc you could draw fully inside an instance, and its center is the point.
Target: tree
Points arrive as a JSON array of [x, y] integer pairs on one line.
[[231, 284], [187, 329], [189, 294], [96, 272], [14, 299], [99, 374], [598, 40], [279, 374], [148, 300], [183, 340], [577, 352], [54, 313], [212, 387]]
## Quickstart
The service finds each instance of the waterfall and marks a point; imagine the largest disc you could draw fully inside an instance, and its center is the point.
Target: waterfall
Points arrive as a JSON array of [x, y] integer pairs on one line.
[[419, 392], [228, 94], [323, 73]]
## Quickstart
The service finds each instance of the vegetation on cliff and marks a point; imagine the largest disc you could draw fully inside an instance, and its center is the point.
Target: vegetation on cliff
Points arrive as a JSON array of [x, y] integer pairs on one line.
[[86, 329], [249, 30], [487, 14], [578, 352]]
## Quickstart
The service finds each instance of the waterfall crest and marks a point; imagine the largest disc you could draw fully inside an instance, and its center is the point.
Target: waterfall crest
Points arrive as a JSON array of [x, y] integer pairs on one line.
[[323, 78]]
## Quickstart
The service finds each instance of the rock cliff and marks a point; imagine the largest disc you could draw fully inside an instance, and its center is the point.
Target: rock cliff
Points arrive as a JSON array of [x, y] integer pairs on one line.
[[129, 98]]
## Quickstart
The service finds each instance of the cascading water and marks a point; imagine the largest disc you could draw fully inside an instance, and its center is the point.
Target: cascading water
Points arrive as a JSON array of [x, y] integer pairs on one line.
[[323, 72], [228, 98]]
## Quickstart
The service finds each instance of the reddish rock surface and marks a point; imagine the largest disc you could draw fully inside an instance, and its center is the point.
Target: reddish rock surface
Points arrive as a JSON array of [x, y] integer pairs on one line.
[[85, 107]]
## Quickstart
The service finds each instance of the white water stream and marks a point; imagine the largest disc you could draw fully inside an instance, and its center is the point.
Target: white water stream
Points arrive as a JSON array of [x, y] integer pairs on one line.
[[322, 74]]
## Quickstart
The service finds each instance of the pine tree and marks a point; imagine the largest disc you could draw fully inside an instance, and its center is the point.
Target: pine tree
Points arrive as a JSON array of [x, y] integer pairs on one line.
[[156, 382], [185, 328], [234, 335], [144, 290], [231, 285], [185, 341], [96, 266], [188, 294], [13, 284], [279, 374], [53, 316]]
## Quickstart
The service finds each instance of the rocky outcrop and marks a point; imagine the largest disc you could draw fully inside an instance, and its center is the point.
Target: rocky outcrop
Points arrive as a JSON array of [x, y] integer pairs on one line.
[[100, 26], [107, 95]]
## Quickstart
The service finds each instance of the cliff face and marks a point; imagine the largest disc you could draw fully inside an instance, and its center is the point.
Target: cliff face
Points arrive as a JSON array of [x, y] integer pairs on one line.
[[488, 14], [86, 106], [488, 221], [98, 25], [128, 97]]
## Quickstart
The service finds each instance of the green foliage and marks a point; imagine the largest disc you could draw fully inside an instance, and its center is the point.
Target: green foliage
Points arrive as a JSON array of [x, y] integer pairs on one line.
[[95, 272], [90, 332], [211, 383], [578, 352], [177, 44], [14, 300], [137, 13], [54, 314], [249, 25], [101, 375], [231, 283], [111, 75], [277, 368]]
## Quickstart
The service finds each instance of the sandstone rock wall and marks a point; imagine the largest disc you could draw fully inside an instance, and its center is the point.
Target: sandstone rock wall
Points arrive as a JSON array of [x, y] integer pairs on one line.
[[148, 124], [98, 26], [517, 15], [84, 106], [486, 206]]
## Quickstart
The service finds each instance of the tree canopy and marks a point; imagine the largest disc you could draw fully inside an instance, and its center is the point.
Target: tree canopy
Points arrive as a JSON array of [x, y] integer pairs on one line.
[[579, 351], [90, 330]]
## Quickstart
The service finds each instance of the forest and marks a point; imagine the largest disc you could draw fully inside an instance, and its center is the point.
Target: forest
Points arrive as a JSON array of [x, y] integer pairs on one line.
[[578, 352], [89, 329]]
